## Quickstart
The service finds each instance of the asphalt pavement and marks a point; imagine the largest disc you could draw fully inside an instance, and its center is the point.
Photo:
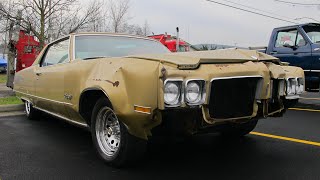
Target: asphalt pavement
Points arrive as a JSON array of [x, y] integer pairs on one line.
[[53, 149]]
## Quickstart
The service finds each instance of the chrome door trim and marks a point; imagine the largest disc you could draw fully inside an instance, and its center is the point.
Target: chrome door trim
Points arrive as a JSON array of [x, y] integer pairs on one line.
[[43, 98], [62, 117]]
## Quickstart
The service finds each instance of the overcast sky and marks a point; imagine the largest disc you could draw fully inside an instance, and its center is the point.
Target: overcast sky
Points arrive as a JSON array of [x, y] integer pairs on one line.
[[204, 22]]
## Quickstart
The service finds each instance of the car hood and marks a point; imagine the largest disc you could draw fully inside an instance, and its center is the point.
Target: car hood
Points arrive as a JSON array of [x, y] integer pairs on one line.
[[192, 60]]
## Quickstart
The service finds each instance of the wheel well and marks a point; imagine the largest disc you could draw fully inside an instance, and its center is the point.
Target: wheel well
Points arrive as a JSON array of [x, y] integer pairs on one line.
[[87, 102]]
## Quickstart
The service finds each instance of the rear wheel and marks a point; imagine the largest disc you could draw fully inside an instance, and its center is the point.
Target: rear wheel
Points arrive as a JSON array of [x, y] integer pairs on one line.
[[111, 138], [239, 130], [30, 111]]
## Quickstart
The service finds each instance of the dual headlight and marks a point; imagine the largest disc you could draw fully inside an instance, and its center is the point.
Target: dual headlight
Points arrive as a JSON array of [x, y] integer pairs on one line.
[[177, 92], [295, 86]]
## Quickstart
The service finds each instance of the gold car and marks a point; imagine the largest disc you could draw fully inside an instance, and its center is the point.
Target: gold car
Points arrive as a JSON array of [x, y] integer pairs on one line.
[[104, 82]]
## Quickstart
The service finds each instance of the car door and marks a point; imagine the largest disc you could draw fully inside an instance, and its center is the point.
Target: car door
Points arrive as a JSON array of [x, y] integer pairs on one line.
[[50, 78], [291, 46]]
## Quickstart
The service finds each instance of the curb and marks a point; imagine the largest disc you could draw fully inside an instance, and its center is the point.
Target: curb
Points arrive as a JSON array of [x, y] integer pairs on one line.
[[307, 106], [10, 108], [11, 113]]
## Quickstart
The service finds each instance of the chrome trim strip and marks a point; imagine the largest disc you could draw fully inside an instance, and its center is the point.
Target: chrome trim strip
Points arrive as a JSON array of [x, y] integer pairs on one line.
[[292, 97], [73, 48], [141, 107], [62, 117], [315, 70], [43, 98], [210, 120], [235, 77]]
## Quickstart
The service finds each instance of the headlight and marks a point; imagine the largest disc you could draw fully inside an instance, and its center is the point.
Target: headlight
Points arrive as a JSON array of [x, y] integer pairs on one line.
[[291, 86], [281, 87], [172, 93], [295, 86], [195, 92], [300, 85]]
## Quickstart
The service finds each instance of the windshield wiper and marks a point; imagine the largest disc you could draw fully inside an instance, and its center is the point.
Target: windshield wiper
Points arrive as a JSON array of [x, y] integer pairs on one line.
[[96, 57]]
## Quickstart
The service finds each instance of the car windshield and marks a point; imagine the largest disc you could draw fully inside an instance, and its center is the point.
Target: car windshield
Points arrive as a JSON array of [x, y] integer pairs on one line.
[[93, 46], [313, 31]]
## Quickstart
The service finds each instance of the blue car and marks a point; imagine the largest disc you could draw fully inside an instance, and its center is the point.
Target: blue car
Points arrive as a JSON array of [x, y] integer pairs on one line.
[[3, 65]]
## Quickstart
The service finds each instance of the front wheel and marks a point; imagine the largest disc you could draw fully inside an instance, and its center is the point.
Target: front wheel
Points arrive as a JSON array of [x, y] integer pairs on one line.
[[111, 138], [239, 130]]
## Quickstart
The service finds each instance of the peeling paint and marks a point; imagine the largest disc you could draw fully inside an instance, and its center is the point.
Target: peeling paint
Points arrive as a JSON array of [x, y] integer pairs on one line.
[[115, 84]]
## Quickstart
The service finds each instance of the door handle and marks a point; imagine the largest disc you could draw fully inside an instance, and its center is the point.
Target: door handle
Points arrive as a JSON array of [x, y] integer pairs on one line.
[[38, 74], [273, 52]]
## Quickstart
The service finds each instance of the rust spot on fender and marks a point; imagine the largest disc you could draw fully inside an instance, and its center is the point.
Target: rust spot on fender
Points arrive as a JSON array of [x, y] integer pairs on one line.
[[115, 84], [163, 73]]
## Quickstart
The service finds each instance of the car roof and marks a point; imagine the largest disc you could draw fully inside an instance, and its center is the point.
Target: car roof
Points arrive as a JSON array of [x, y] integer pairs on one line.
[[297, 25], [103, 33], [112, 34]]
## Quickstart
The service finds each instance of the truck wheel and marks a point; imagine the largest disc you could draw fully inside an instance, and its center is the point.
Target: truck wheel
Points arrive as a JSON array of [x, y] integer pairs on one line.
[[111, 139], [290, 103], [239, 130], [31, 112]]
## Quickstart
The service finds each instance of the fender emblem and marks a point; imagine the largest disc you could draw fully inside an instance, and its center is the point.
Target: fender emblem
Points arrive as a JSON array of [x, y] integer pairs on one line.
[[68, 96]]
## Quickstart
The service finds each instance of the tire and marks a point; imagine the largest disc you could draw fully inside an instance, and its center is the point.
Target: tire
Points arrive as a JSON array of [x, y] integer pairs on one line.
[[239, 130], [31, 112], [111, 139], [290, 103]]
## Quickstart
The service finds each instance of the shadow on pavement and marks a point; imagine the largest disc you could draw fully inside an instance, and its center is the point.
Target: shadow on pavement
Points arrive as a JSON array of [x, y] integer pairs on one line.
[[53, 149]]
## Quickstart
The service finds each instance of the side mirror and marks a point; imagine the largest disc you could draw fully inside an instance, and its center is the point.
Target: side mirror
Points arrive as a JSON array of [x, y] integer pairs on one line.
[[289, 44]]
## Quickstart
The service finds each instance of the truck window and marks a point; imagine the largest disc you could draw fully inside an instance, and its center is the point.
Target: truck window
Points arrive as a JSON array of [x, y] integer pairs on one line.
[[291, 37], [313, 32]]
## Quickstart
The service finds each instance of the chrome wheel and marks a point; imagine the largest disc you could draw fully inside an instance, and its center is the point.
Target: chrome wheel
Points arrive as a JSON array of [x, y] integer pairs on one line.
[[108, 131], [27, 107]]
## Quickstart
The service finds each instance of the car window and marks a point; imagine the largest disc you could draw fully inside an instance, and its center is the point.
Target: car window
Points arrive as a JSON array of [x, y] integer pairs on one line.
[[290, 37], [57, 53], [87, 46]]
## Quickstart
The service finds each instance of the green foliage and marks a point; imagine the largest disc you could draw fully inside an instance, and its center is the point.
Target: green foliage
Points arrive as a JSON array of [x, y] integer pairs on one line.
[[10, 100], [3, 78]]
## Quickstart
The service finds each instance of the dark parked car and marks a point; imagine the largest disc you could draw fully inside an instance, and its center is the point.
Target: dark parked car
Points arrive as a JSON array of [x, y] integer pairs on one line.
[[3, 65]]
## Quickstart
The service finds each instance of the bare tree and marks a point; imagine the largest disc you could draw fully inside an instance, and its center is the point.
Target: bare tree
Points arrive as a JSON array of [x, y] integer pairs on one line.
[[48, 19], [146, 28], [118, 14]]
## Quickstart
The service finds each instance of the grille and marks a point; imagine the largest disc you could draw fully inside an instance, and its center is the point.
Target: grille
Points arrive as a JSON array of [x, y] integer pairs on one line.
[[275, 88], [234, 97]]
